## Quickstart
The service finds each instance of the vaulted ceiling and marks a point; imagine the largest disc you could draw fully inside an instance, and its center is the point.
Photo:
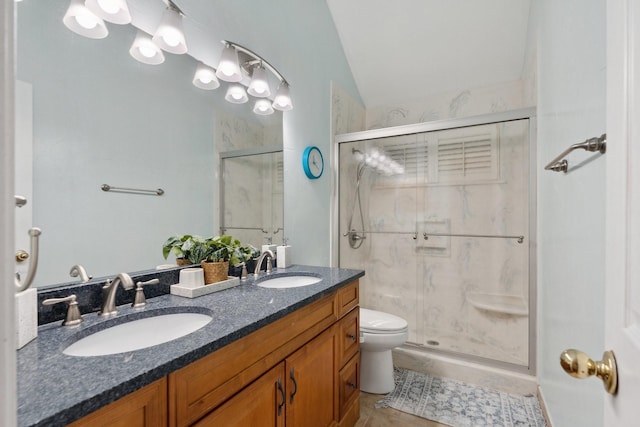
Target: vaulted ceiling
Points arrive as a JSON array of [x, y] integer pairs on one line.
[[409, 49]]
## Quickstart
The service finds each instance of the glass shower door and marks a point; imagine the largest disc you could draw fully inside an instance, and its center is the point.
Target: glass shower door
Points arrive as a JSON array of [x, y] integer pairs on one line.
[[444, 243]]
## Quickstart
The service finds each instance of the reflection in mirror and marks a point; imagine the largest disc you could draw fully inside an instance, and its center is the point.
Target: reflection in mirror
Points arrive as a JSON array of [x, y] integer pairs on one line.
[[252, 196], [101, 117]]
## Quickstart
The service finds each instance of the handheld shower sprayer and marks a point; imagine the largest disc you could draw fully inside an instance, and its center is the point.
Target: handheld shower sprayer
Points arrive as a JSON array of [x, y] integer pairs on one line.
[[376, 160]]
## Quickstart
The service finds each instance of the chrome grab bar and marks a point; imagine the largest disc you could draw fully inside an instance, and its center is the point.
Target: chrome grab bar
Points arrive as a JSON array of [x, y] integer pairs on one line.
[[426, 235], [559, 164], [107, 187], [224, 229]]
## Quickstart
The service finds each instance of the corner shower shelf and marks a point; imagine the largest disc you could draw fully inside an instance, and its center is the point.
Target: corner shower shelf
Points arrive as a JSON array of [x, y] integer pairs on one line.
[[498, 303]]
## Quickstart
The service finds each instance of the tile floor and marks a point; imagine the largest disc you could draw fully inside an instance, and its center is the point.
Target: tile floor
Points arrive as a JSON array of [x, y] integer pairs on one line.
[[387, 417]]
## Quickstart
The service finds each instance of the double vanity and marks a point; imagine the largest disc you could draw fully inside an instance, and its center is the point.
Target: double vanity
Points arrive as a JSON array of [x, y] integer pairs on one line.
[[278, 350]]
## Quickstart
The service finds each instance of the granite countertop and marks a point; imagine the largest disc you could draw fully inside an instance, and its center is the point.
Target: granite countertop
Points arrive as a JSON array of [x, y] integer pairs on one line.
[[55, 389]]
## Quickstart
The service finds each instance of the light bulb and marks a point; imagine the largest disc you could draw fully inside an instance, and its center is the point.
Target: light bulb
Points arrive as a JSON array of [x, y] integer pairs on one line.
[[115, 11], [259, 86], [236, 95], [169, 35], [109, 6], [228, 68], [263, 107], [282, 100], [145, 50], [357, 155], [81, 20], [205, 78], [87, 20]]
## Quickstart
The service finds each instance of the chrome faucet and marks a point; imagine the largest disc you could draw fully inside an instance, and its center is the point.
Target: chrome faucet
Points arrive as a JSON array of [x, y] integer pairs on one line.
[[266, 254], [79, 271], [109, 293]]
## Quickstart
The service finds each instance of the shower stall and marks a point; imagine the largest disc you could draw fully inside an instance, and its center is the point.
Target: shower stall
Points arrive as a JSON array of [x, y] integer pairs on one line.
[[440, 215]]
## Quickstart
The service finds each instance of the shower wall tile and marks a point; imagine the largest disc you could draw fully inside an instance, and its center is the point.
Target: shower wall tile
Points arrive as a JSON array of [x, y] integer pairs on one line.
[[347, 114], [448, 105]]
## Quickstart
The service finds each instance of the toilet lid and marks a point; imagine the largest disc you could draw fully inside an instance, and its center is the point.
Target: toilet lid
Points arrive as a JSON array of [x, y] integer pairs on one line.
[[379, 322]]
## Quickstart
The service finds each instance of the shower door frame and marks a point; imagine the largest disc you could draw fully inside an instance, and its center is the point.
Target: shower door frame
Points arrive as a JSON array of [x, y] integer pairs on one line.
[[439, 125]]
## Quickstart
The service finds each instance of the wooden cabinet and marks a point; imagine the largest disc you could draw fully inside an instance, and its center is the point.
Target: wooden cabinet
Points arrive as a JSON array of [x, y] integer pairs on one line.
[[300, 370], [261, 404], [146, 407], [311, 383]]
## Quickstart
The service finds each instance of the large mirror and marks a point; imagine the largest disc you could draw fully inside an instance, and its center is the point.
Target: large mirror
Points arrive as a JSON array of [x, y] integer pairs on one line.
[[96, 116]]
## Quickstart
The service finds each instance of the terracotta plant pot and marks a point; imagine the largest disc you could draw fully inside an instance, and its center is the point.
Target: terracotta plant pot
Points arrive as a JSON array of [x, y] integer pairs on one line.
[[215, 271]]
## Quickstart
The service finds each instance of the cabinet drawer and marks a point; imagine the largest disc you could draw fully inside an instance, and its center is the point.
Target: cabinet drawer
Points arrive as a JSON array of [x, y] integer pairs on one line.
[[349, 384], [348, 336], [348, 298]]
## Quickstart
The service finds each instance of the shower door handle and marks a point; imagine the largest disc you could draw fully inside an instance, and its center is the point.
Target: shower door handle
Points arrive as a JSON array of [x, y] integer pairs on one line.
[[579, 365]]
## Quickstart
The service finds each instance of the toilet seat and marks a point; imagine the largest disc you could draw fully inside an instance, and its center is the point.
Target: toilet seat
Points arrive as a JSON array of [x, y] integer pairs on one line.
[[378, 322]]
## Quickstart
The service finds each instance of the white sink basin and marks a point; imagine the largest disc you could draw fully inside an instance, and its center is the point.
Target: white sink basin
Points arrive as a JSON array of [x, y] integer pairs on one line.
[[138, 334], [283, 282]]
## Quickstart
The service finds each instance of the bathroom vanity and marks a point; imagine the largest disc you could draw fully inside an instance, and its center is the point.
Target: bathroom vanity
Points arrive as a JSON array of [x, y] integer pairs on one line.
[[269, 357]]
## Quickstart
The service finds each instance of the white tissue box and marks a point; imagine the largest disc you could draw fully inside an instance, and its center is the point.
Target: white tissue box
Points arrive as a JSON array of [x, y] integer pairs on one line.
[[26, 317]]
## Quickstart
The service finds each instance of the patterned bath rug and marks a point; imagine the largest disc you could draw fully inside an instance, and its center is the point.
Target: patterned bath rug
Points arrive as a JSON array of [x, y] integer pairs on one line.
[[459, 404]]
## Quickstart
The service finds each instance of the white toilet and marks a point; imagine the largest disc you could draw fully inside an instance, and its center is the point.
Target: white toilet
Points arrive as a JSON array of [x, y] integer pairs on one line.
[[379, 333]]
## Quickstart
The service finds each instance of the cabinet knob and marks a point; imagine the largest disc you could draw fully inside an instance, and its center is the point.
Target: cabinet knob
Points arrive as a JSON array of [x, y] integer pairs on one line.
[[352, 385]]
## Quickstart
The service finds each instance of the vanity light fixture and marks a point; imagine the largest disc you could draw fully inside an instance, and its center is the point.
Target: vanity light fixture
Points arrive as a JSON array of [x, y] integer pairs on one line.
[[145, 50], [81, 20], [236, 94], [228, 68], [169, 35], [115, 11], [205, 78], [259, 86], [263, 107], [237, 59]]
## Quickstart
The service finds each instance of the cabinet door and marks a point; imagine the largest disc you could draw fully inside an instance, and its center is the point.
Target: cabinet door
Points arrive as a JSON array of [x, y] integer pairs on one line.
[[146, 407], [260, 404], [312, 392]]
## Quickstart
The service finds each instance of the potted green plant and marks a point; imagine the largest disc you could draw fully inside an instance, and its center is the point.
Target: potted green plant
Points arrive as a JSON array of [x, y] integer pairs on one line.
[[188, 249], [219, 253], [245, 255]]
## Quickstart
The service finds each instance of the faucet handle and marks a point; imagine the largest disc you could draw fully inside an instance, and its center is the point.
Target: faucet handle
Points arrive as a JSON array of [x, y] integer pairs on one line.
[[139, 300], [73, 312], [269, 265]]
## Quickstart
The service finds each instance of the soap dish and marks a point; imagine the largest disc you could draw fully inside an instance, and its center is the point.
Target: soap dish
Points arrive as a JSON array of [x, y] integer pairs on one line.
[[199, 291]]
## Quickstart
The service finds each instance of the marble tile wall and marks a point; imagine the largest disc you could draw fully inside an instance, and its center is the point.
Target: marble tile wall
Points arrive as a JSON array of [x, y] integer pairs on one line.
[[428, 282], [347, 114], [253, 197], [449, 105]]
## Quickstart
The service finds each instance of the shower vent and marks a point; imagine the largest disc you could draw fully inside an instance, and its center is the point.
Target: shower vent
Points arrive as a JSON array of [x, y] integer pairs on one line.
[[457, 156]]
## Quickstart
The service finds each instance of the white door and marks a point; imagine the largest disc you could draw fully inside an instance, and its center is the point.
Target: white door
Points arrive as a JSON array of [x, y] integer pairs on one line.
[[23, 169], [622, 288]]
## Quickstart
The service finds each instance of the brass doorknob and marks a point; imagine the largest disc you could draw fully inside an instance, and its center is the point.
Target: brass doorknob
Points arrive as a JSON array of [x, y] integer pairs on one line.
[[579, 365], [21, 255]]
